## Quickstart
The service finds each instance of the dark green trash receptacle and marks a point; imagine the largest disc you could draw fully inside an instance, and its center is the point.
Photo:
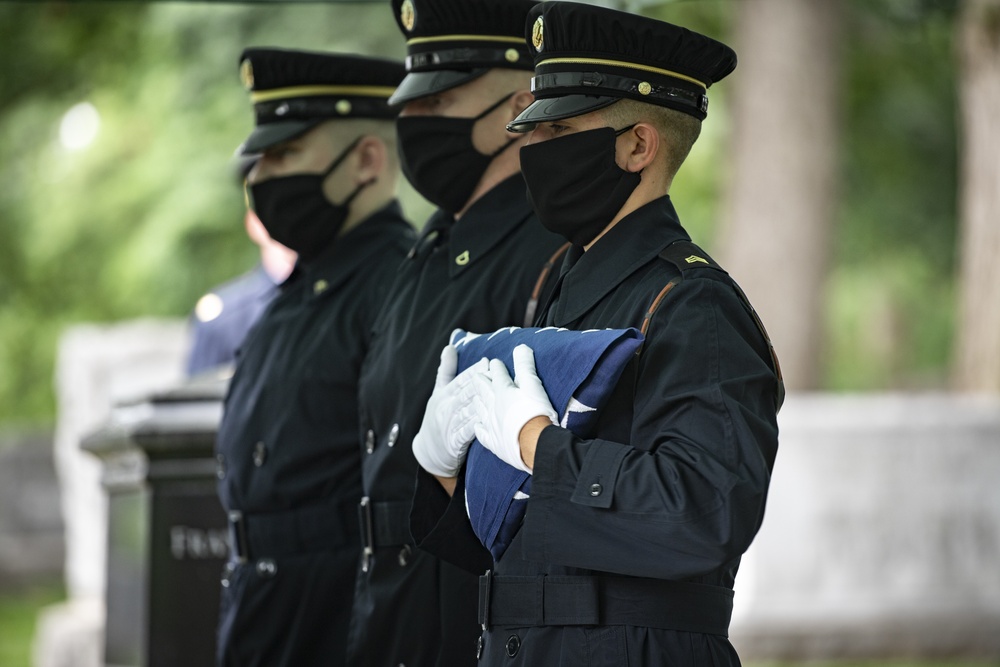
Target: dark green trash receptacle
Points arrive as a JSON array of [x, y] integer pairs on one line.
[[167, 532]]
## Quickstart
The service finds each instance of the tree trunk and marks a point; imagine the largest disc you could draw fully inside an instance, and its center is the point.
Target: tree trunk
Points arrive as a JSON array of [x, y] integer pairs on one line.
[[781, 200], [977, 336]]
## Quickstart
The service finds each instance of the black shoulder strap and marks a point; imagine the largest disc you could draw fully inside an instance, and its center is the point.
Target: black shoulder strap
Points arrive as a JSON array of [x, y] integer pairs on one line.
[[687, 256]]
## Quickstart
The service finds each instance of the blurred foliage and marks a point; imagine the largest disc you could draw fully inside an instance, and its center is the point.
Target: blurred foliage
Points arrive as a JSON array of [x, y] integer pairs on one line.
[[147, 217], [890, 296], [697, 190], [19, 609]]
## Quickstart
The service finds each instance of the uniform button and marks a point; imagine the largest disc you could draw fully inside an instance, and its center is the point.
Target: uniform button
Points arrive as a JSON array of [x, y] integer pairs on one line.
[[267, 567], [220, 466], [404, 555], [595, 489], [259, 454], [320, 286], [370, 441], [227, 574], [513, 645], [393, 435]]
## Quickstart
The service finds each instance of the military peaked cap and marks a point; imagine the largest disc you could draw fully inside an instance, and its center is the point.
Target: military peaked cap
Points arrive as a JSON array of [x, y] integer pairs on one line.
[[294, 91], [451, 42], [588, 57]]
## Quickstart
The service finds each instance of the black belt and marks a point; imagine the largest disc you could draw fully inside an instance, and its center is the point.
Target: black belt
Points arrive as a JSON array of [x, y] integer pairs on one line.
[[310, 529], [604, 600], [385, 524]]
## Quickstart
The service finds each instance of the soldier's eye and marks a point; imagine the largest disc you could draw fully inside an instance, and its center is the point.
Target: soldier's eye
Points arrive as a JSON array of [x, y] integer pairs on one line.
[[278, 153]]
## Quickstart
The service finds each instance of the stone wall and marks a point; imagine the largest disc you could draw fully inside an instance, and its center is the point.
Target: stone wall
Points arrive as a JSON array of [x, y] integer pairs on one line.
[[31, 527], [882, 531], [98, 366]]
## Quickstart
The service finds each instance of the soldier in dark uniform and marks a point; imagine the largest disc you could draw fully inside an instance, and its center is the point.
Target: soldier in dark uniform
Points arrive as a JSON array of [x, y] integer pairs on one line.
[[224, 315], [632, 536], [475, 266], [289, 468]]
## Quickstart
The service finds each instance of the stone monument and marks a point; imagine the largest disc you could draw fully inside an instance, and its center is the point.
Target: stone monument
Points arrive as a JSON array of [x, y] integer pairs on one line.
[[97, 367]]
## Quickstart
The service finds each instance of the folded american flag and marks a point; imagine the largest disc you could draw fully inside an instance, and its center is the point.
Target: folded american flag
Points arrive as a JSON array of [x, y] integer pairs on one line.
[[579, 370]]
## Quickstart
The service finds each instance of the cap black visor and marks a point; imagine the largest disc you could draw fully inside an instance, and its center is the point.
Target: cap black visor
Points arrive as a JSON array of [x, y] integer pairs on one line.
[[421, 84], [557, 108], [270, 134]]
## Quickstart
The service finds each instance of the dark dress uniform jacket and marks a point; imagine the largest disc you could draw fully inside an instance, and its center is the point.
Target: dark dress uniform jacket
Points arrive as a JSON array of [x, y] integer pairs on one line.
[[672, 483], [478, 274], [288, 454]]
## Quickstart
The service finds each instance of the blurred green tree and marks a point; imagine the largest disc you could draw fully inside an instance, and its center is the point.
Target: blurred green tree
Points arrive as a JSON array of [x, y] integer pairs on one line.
[[977, 341], [145, 217]]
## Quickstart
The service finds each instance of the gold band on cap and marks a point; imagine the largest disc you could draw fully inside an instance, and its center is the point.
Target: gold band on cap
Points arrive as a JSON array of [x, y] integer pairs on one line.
[[466, 38], [317, 91], [619, 63]]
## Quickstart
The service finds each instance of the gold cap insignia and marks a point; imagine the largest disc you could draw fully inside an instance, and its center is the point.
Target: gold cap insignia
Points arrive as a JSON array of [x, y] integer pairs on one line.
[[695, 258], [537, 33], [343, 107], [462, 259], [246, 74], [511, 55], [645, 88], [407, 15]]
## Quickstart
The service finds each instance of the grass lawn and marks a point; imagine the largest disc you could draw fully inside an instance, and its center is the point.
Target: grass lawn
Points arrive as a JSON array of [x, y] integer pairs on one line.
[[18, 611]]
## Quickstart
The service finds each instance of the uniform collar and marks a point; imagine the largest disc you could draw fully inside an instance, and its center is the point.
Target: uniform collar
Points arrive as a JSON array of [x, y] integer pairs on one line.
[[348, 253], [637, 238], [487, 222]]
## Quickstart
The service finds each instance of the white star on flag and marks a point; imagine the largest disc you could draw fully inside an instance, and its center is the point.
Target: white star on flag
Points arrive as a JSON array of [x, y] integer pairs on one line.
[[574, 406]]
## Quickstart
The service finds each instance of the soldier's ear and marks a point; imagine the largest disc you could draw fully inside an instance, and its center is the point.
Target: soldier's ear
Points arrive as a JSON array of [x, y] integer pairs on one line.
[[372, 158], [519, 101], [641, 145]]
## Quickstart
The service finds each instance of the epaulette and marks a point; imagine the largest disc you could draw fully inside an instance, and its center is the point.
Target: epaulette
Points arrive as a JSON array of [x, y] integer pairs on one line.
[[686, 256]]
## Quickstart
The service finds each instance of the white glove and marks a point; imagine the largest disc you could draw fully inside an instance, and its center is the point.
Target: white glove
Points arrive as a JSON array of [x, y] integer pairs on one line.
[[448, 425], [504, 406]]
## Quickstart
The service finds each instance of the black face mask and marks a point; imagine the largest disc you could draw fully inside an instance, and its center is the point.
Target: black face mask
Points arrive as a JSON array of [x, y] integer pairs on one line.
[[439, 160], [297, 214], [574, 183]]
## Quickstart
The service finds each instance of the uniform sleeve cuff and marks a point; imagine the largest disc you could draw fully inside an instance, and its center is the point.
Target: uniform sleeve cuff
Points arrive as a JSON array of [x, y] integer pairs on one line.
[[596, 484]]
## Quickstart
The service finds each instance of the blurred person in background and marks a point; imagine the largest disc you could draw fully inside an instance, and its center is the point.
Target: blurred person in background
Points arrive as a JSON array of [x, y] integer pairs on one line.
[[226, 313]]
